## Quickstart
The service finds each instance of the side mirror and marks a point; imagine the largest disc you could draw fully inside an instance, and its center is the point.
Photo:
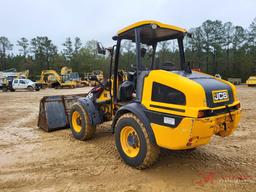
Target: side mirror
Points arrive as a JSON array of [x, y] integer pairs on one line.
[[93, 78], [101, 49]]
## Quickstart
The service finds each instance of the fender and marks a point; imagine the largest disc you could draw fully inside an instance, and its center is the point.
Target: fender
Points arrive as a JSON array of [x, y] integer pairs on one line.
[[138, 110], [91, 109]]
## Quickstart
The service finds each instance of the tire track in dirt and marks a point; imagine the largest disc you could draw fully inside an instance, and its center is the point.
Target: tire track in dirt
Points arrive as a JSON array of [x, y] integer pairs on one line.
[[16, 131]]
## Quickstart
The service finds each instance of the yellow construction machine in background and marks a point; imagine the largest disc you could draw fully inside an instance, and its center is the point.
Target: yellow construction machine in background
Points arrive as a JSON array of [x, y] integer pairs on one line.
[[251, 81], [65, 70], [50, 78], [68, 78], [89, 81]]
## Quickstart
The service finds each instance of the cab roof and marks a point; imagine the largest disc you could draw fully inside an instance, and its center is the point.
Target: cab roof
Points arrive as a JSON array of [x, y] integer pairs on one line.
[[151, 31]]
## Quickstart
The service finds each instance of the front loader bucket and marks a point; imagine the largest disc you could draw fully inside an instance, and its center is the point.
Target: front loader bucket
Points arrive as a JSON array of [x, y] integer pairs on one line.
[[54, 111]]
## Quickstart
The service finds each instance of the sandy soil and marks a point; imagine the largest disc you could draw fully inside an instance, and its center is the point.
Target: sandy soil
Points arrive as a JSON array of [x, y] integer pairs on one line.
[[33, 160]]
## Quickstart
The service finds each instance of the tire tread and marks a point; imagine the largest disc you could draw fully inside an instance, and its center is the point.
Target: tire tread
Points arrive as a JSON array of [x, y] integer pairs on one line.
[[153, 151], [89, 129]]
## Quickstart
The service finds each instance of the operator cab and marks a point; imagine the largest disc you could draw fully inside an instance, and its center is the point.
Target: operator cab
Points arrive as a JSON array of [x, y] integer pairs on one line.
[[149, 45]]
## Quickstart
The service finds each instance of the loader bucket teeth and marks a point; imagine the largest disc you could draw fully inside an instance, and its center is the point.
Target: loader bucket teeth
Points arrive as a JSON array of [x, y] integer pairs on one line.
[[54, 111]]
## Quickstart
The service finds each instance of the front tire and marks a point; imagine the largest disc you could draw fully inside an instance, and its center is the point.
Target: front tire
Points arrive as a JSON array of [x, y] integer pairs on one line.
[[133, 143], [80, 124]]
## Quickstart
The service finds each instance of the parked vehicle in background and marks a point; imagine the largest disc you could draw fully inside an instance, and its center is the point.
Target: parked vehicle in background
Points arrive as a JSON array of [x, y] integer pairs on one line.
[[55, 80], [98, 73], [251, 81], [20, 84], [11, 74], [235, 81]]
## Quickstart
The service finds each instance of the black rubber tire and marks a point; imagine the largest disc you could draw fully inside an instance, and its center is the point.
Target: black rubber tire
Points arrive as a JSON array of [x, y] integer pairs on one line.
[[4, 89], [87, 130], [190, 150], [148, 153], [30, 88]]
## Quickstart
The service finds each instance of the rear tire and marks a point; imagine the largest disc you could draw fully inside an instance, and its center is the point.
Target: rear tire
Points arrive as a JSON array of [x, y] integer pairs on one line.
[[30, 88], [80, 124], [142, 153], [4, 89], [190, 150]]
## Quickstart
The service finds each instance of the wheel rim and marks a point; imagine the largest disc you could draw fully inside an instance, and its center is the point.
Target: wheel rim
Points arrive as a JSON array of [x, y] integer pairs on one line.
[[76, 121], [130, 141]]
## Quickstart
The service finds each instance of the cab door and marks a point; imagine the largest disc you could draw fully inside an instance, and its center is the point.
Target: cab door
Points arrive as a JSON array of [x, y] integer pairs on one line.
[[22, 84], [15, 84]]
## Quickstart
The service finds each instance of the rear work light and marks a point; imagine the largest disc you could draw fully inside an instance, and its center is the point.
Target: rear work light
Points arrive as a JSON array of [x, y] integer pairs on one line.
[[201, 114]]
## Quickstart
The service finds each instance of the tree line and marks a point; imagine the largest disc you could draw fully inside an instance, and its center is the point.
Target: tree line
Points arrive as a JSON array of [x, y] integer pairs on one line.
[[216, 47], [223, 48]]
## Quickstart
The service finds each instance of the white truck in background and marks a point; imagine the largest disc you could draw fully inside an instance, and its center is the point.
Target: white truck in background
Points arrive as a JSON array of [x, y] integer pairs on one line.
[[11, 74], [20, 84]]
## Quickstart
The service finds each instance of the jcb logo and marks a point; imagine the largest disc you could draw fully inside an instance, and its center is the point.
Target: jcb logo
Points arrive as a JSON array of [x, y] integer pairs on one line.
[[220, 96]]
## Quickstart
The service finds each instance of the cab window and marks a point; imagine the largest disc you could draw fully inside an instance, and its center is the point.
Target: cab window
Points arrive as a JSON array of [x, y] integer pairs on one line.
[[15, 81], [168, 55], [165, 94], [127, 57], [22, 82]]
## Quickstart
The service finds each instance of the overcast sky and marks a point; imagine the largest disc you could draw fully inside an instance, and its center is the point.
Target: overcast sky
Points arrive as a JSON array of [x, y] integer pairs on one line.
[[99, 19]]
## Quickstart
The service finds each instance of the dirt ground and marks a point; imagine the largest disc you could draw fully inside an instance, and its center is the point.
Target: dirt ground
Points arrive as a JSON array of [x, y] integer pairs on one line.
[[33, 160]]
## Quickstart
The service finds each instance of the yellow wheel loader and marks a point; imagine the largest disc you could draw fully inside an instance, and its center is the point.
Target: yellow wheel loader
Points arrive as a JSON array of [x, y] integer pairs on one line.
[[164, 105]]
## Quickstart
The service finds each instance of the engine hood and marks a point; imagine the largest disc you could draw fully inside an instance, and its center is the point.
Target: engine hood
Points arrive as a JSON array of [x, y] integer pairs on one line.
[[32, 84], [211, 86]]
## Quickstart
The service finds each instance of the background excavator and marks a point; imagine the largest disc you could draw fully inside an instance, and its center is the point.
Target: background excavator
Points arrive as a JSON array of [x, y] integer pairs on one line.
[[50, 78], [160, 104]]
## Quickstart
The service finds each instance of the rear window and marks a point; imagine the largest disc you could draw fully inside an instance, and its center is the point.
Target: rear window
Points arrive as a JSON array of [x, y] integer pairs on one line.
[[165, 94], [15, 81]]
